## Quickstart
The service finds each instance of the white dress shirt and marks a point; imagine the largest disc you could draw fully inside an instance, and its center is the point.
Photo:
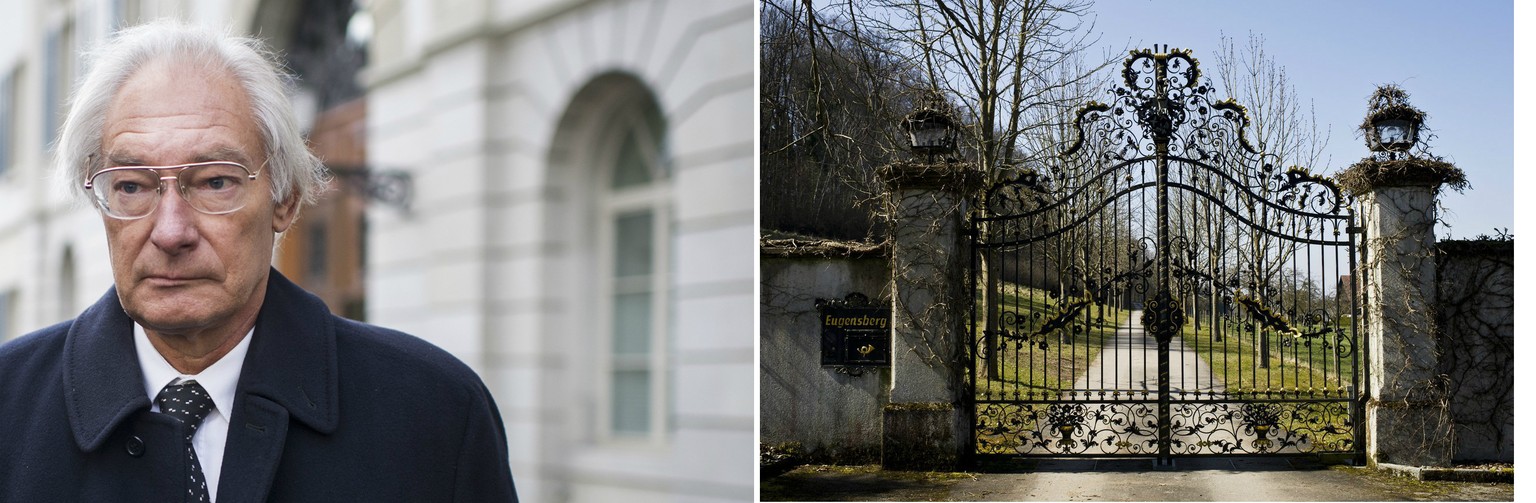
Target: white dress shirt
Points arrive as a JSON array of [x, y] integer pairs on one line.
[[218, 379]]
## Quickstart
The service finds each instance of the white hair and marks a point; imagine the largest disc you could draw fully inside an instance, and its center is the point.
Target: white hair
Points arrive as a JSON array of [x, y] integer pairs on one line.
[[294, 171]]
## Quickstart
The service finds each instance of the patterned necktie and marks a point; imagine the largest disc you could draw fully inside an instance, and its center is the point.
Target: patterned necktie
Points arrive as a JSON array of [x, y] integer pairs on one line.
[[188, 402]]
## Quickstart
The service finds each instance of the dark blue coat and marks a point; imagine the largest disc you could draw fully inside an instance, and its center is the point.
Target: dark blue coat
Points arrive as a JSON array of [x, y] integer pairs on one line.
[[326, 409]]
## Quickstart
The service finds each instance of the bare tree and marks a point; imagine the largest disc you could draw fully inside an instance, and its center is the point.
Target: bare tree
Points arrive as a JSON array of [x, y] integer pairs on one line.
[[1281, 124], [830, 98], [1006, 63], [837, 73], [1285, 130]]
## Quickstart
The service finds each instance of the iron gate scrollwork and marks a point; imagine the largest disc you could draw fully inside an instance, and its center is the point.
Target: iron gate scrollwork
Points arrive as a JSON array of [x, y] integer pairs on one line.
[[1163, 288]]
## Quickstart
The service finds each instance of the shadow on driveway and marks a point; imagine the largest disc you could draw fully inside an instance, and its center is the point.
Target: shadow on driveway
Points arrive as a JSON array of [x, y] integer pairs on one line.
[[860, 483], [1198, 479], [1150, 465]]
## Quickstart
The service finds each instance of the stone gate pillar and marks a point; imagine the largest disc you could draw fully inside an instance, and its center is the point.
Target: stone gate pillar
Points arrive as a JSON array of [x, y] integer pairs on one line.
[[1407, 422], [925, 427]]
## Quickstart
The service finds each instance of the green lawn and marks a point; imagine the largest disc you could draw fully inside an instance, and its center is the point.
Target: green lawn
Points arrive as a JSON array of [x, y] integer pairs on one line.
[[1042, 359], [1296, 367], [1297, 370], [1047, 351]]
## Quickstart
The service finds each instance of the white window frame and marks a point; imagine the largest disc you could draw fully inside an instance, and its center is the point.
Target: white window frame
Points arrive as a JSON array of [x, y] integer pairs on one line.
[[10, 119], [655, 196], [59, 67]]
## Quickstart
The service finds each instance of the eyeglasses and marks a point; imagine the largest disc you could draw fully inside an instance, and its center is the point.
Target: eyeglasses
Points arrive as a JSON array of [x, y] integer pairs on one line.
[[132, 192]]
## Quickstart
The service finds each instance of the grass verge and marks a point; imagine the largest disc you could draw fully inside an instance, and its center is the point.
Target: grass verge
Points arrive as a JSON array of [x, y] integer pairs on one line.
[[1046, 342]]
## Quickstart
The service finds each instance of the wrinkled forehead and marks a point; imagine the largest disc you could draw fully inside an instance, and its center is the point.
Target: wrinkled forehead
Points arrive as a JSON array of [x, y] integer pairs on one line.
[[171, 111]]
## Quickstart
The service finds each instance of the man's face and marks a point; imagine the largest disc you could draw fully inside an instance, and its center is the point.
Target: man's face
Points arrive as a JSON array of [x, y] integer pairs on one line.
[[179, 270]]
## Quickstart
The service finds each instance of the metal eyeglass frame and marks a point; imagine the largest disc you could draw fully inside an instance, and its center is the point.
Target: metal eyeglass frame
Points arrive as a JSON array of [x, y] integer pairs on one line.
[[160, 189]]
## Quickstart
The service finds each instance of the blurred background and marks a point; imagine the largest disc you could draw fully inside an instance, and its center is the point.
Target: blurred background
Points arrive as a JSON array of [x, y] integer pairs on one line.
[[559, 192]]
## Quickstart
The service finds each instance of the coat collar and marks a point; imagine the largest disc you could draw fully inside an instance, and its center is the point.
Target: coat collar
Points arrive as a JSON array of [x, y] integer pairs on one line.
[[102, 381], [292, 362]]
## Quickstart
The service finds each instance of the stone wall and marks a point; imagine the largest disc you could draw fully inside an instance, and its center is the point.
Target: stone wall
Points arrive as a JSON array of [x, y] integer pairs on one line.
[[1475, 320], [1406, 416], [834, 416]]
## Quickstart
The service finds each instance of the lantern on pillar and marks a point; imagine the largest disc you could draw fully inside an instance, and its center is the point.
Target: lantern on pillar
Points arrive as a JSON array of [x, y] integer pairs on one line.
[[1391, 124], [930, 132]]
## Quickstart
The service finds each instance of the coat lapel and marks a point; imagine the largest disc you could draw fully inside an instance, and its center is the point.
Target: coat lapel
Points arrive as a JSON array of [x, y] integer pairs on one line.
[[102, 380], [289, 373]]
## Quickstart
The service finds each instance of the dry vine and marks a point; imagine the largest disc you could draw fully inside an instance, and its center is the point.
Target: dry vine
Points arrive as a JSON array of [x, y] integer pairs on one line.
[[1476, 339], [1412, 379], [926, 206], [1370, 173]]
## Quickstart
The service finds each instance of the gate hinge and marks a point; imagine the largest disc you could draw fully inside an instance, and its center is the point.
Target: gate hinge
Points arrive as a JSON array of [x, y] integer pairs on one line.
[[1354, 229]]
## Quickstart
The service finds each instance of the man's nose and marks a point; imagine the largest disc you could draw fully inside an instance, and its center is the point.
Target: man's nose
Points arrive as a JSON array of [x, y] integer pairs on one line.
[[175, 229]]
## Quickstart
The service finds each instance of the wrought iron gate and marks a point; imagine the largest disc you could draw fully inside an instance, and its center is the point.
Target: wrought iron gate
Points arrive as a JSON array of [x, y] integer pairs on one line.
[[1164, 289]]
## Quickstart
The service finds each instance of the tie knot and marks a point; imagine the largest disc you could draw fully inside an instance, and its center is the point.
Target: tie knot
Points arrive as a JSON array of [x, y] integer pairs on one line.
[[187, 401]]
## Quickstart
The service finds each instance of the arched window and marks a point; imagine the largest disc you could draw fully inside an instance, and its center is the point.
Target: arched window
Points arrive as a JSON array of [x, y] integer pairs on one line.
[[634, 224]]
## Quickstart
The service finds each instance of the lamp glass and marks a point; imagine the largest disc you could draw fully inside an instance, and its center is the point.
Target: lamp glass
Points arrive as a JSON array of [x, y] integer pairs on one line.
[[1395, 133], [929, 135]]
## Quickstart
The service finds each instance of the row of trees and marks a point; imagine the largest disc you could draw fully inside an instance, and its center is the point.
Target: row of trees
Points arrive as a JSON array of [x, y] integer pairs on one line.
[[826, 91]]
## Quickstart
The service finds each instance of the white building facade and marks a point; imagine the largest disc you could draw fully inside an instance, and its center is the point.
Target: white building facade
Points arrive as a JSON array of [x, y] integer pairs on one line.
[[581, 230], [53, 247]]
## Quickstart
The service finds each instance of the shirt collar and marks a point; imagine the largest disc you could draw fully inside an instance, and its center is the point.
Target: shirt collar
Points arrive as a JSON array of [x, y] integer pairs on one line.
[[218, 379]]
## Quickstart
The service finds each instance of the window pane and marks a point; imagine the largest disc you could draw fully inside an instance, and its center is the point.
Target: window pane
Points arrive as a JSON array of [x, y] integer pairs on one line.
[[6, 303], [51, 80], [631, 168], [7, 117], [57, 78], [632, 247], [632, 323], [632, 402], [319, 253], [656, 126]]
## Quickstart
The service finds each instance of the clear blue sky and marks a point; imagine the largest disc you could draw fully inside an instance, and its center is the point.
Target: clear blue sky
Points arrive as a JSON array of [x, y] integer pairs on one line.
[[1455, 59]]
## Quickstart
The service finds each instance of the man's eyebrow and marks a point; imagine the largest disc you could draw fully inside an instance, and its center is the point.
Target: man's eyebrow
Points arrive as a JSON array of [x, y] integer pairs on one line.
[[219, 154], [118, 159], [223, 154]]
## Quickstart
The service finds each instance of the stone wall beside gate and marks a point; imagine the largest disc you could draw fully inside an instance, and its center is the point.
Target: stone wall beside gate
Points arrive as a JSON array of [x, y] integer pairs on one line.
[[1476, 329], [831, 416]]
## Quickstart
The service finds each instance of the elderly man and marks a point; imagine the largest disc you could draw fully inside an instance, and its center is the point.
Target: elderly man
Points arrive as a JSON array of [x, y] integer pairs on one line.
[[204, 375]]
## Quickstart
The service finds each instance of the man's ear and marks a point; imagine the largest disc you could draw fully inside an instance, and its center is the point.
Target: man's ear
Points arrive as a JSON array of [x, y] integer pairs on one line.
[[284, 213]]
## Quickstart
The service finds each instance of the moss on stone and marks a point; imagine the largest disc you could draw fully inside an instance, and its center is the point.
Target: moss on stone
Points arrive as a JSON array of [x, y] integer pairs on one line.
[[1370, 173], [920, 406]]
